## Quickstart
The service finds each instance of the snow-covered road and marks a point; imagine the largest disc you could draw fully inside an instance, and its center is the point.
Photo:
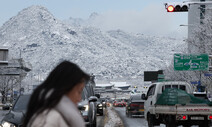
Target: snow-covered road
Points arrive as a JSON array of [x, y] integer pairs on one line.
[[132, 122], [3, 113]]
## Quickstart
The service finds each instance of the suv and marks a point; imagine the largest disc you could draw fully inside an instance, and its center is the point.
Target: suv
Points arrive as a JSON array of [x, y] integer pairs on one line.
[[15, 116], [87, 106]]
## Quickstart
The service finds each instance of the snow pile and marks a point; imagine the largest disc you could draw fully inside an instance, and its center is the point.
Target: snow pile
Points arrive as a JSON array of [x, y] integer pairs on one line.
[[113, 120]]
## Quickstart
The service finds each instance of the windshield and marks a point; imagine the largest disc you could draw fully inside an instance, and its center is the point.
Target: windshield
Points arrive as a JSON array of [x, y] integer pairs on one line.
[[22, 102], [84, 94], [89, 89]]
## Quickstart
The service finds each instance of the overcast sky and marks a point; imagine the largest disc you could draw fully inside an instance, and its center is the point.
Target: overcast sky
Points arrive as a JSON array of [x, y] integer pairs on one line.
[[138, 16]]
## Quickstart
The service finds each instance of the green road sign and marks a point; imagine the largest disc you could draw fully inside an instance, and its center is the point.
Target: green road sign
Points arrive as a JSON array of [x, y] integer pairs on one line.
[[190, 62], [161, 76]]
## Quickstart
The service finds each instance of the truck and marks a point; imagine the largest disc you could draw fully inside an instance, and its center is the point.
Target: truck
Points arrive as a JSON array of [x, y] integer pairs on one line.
[[172, 115]]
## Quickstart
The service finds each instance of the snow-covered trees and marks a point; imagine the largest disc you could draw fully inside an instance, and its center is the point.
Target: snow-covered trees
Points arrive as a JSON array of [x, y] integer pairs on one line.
[[199, 42], [201, 39], [7, 83]]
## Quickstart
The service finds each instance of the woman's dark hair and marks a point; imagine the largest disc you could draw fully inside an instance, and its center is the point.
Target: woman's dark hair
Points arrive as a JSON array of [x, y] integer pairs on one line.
[[59, 82]]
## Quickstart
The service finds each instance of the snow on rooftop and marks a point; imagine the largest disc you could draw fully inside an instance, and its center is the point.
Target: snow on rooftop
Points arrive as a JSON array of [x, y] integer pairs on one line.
[[119, 84], [103, 85]]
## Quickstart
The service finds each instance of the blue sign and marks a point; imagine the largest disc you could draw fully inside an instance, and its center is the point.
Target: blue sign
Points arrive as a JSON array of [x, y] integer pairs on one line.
[[196, 82], [207, 74]]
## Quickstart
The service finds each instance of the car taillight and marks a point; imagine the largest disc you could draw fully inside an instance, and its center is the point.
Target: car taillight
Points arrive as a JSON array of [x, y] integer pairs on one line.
[[134, 105], [184, 117], [210, 117], [141, 106]]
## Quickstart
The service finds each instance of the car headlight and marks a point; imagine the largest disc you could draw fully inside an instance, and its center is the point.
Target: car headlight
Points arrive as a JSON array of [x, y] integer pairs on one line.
[[7, 124], [100, 105], [86, 107]]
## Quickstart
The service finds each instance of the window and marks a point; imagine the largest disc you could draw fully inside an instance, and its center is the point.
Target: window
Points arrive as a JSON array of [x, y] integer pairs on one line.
[[175, 86], [22, 102], [151, 91], [89, 89], [167, 86], [84, 94], [3, 55], [182, 87]]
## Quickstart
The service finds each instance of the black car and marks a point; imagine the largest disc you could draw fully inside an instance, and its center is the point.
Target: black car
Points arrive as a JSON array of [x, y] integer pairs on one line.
[[7, 106], [87, 106], [16, 115], [103, 101], [135, 106], [100, 109]]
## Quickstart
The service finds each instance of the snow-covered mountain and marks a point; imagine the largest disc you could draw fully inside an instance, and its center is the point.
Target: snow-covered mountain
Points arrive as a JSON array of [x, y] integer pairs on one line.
[[44, 41]]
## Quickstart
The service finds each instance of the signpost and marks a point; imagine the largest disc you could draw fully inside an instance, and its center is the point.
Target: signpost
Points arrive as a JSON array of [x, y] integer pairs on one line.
[[191, 62]]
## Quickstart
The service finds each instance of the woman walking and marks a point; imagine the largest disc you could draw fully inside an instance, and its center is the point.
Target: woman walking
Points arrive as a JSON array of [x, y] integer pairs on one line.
[[54, 102]]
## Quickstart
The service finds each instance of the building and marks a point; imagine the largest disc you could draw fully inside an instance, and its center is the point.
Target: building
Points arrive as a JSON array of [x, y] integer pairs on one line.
[[196, 13], [12, 71], [120, 85]]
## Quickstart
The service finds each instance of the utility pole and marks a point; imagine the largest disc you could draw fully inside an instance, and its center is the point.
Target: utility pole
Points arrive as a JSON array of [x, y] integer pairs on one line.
[[21, 67]]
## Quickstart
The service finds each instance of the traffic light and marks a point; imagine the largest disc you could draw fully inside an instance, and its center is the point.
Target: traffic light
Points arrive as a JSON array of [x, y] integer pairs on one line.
[[177, 7]]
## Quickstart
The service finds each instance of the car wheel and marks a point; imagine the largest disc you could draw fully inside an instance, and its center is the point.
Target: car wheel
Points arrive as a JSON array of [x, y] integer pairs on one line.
[[94, 123], [129, 114], [150, 120], [206, 124], [101, 113]]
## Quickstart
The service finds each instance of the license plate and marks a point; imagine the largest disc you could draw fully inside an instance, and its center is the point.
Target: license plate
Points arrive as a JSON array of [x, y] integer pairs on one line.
[[197, 118], [141, 109]]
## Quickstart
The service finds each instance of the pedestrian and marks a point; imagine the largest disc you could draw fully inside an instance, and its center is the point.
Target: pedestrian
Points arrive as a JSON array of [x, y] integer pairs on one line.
[[54, 102]]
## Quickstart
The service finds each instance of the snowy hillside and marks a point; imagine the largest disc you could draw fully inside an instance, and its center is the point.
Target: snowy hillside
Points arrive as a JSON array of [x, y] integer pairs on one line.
[[44, 41]]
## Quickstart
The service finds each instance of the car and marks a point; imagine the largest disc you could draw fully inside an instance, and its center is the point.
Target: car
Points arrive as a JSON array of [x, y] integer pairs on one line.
[[135, 106], [119, 103], [15, 116], [103, 101], [201, 95], [87, 105], [100, 108], [6, 106]]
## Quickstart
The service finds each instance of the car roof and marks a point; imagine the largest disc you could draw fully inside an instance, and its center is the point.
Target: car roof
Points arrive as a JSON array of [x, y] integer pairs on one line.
[[136, 97]]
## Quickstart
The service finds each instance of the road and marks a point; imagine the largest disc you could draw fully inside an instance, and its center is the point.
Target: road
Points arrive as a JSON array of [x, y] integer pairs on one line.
[[100, 120], [2, 113], [135, 121], [128, 122]]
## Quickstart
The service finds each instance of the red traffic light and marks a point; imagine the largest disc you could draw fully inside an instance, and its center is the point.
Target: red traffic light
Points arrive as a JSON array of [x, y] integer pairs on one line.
[[177, 7], [170, 8]]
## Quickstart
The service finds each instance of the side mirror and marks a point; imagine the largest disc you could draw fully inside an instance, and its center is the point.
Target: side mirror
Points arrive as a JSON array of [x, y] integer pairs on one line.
[[92, 99], [143, 96]]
